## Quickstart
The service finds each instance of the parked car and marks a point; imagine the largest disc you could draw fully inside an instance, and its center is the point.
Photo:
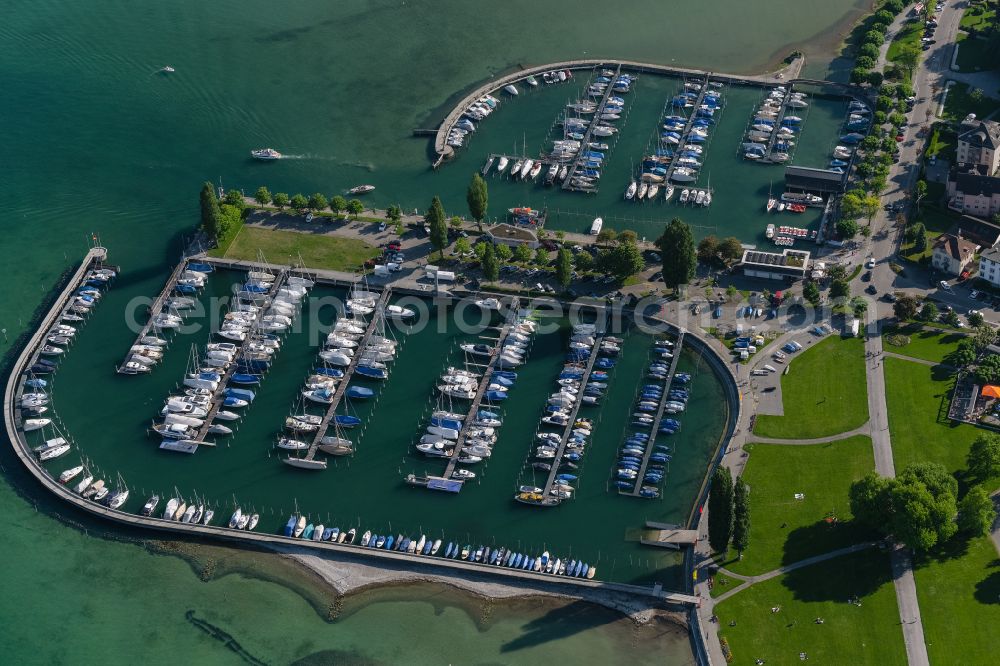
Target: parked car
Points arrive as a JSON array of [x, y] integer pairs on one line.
[[974, 294], [944, 285], [870, 263], [871, 289], [381, 227]]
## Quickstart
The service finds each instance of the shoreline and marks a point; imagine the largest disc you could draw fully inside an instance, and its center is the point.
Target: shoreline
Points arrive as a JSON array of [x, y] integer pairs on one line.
[[338, 587]]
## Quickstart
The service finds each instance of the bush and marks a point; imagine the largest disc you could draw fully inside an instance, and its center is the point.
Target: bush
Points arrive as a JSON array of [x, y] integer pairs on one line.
[[898, 340]]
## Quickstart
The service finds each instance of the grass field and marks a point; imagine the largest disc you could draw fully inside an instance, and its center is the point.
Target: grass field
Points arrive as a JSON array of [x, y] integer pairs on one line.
[[824, 392], [959, 596], [930, 345], [317, 251], [868, 633], [917, 398], [959, 103], [981, 20], [783, 529], [909, 36]]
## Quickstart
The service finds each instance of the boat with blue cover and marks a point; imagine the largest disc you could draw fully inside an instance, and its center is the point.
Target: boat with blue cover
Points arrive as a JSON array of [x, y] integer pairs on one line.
[[359, 392], [347, 421], [370, 372], [246, 379]]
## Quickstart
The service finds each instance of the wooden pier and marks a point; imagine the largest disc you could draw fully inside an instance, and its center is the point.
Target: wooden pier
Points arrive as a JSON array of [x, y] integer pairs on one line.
[[155, 310], [554, 472], [338, 394], [220, 394], [669, 536], [567, 183], [664, 399], [686, 133], [484, 384]]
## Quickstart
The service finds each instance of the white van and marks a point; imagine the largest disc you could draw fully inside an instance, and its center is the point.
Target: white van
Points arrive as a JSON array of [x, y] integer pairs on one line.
[[770, 368]]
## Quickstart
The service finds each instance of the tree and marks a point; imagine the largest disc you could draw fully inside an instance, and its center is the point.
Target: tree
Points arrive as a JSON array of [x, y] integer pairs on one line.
[[908, 57], [869, 498], [921, 192], [917, 234], [338, 204], [731, 293], [984, 337], [480, 249], [298, 202], [455, 222], [976, 319], [584, 261], [607, 236], [542, 256], [731, 249], [504, 253], [262, 196], [741, 516], [864, 62], [905, 308], [317, 202], [720, 510], [921, 518], [491, 267], [281, 200], [976, 95], [393, 212], [477, 196], [988, 371], [952, 318], [235, 198], [929, 312], [435, 220], [976, 513], [983, 459], [964, 354], [355, 208], [462, 246], [859, 306], [628, 236], [868, 50], [708, 249], [847, 228], [564, 267], [838, 272], [810, 292], [523, 253], [210, 212], [679, 256], [875, 77], [840, 289], [623, 259], [859, 75], [229, 217]]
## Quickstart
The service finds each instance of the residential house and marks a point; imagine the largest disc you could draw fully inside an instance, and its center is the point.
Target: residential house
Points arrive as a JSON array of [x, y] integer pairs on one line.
[[973, 192], [979, 145], [989, 266], [953, 254]]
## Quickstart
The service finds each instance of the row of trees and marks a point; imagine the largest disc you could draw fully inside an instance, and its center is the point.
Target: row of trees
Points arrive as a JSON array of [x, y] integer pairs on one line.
[[728, 512], [316, 203], [921, 506], [871, 43]]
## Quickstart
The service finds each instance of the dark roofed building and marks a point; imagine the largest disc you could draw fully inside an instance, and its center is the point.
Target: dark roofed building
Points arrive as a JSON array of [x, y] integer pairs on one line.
[[973, 192], [981, 232], [979, 145], [820, 181], [789, 264]]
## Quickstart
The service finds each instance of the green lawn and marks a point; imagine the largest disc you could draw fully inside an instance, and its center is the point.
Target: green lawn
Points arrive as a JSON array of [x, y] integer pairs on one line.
[[868, 633], [959, 103], [824, 392], [317, 251], [783, 529], [971, 20], [959, 596], [936, 221], [909, 36], [930, 345], [917, 397], [973, 54]]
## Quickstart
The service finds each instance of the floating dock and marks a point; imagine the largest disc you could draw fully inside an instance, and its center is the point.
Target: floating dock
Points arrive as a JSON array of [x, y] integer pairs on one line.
[[664, 399], [567, 183], [687, 132], [554, 472], [669, 536], [220, 394], [331, 410], [769, 151], [155, 310], [484, 383]]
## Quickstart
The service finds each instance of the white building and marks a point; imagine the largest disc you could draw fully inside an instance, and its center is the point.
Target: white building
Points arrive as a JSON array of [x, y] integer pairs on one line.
[[989, 266], [953, 254]]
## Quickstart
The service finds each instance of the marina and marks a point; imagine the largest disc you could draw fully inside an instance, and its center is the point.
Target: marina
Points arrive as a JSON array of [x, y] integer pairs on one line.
[[529, 536], [149, 331]]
